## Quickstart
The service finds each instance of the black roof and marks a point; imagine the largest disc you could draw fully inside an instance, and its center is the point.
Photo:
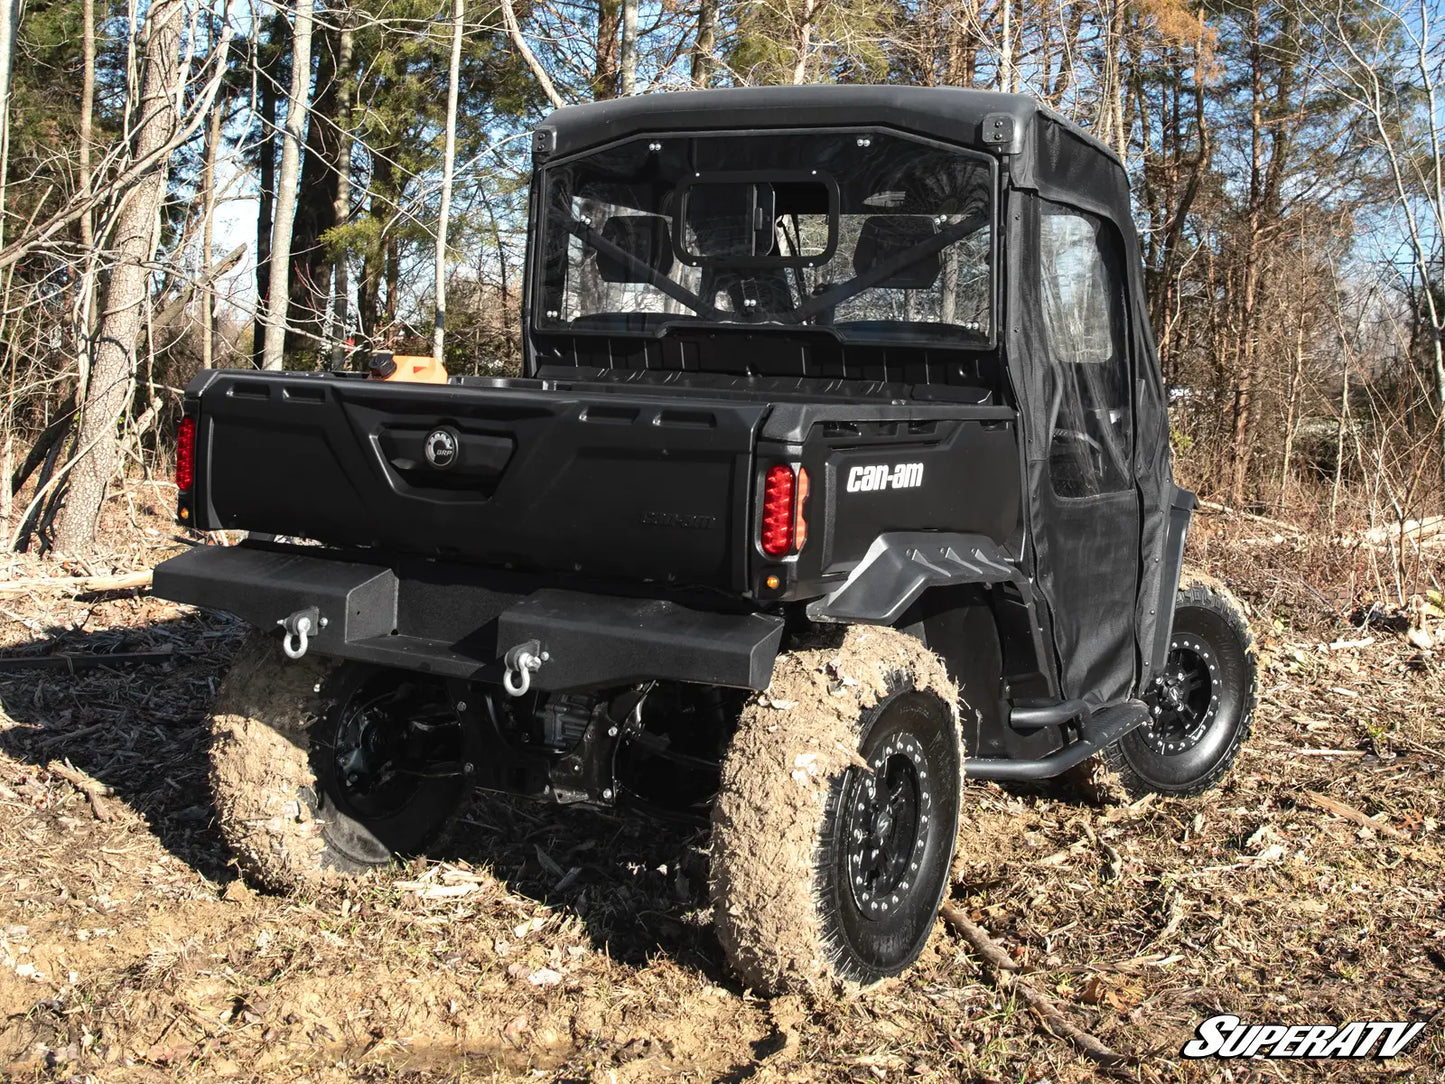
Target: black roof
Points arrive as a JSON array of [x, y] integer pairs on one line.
[[954, 114]]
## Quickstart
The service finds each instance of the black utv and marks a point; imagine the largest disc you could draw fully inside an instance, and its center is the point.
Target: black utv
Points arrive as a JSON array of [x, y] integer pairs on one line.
[[840, 449]]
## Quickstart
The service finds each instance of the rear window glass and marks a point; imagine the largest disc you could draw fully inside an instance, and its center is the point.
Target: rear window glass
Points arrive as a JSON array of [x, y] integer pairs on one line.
[[870, 234]]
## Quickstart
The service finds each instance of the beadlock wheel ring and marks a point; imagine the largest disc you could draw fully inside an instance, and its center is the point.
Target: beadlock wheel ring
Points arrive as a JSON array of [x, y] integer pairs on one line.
[[1184, 698], [887, 824]]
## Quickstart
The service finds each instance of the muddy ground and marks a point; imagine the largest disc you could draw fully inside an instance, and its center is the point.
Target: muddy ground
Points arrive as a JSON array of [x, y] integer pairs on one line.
[[548, 945]]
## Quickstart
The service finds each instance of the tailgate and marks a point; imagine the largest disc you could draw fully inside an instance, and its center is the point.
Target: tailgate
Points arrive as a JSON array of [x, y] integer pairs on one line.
[[622, 485]]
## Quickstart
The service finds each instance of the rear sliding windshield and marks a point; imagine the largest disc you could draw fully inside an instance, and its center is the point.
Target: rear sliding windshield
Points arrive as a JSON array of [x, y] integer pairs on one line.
[[873, 235]]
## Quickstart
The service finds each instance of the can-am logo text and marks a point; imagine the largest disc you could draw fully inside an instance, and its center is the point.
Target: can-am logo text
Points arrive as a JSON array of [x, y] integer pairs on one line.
[[1227, 1036], [884, 476]]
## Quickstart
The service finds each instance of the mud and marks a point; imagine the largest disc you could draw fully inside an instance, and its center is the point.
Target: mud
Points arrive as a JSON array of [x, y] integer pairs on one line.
[[260, 770], [794, 741]]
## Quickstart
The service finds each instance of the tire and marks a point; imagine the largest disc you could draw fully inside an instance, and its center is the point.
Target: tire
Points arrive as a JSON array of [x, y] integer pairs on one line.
[[795, 905], [280, 747], [1197, 724]]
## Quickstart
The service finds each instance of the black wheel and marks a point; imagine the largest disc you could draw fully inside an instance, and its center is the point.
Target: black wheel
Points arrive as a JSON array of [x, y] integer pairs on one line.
[[1202, 703], [319, 767], [890, 835], [834, 828], [389, 765]]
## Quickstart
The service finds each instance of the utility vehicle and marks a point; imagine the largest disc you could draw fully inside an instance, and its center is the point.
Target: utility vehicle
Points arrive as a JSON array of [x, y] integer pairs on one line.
[[839, 449]]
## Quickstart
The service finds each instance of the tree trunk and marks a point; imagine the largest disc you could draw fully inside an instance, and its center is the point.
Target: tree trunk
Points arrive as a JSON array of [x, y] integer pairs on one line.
[[276, 301], [382, 194], [604, 75], [1006, 48], [703, 62], [87, 116], [449, 155], [9, 25], [266, 201], [1241, 440], [393, 291], [1291, 412], [341, 290], [309, 285], [803, 38], [208, 213], [1344, 423], [135, 234], [629, 48]]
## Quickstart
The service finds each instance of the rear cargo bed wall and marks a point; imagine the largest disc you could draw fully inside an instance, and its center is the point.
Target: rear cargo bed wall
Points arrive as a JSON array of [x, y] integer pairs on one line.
[[634, 486]]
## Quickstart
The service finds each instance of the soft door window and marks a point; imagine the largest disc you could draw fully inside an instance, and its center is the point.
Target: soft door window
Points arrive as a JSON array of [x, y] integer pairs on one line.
[[1083, 316]]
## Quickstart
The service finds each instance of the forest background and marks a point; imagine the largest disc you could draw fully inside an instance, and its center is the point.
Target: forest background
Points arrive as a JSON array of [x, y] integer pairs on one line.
[[156, 155]]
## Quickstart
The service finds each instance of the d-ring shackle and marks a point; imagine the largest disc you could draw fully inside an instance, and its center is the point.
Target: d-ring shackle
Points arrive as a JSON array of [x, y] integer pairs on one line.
[[521, 662], [299, 627]]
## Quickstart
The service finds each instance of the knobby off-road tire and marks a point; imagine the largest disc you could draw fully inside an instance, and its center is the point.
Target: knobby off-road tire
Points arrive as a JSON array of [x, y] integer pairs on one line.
[[282, 807], [1202, 705], [834, 826]]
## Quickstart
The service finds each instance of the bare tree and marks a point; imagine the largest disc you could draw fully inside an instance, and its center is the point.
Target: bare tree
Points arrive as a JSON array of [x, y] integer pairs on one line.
[[449, 155], [277, 294], [806, 18], [135, 235], [509, 16], [703, 61], [208, 216], [1382, 80], [9, 25], [87, 114], [629, 48], [341, 282]]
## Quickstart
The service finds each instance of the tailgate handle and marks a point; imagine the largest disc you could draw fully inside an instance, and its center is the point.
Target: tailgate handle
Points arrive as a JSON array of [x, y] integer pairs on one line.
[[477, 455]]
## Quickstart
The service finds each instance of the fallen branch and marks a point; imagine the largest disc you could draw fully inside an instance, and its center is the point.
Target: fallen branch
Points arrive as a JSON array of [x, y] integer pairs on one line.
[[78, 585], [1007, 968], [1353, 815], [1277, 524], [1415, 530], [94, 791]]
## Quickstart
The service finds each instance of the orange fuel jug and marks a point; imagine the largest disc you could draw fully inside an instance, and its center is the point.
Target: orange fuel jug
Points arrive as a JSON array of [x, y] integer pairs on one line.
[[408, 368]]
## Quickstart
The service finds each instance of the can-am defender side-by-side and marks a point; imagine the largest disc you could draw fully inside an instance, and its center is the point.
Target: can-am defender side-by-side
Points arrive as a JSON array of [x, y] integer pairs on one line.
[[838, 472]]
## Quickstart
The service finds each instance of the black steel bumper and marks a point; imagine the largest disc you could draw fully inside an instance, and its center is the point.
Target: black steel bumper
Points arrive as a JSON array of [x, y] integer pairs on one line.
[[460, 622]]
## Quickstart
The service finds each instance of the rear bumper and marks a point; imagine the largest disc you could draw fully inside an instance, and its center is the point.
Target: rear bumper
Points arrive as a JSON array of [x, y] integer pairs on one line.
[[460, 623]]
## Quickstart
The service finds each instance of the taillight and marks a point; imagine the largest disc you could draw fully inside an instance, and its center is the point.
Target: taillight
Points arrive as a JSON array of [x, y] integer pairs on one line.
[[783, 529], [186, 454]]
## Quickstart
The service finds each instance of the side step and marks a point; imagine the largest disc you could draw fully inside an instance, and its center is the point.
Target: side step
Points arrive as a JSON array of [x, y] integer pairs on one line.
[[1103, 727], [1039, 716]]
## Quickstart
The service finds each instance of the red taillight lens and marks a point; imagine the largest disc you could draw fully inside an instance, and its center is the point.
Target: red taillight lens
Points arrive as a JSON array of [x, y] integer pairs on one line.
[[783, 529], [186, 454], [776, 535]]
